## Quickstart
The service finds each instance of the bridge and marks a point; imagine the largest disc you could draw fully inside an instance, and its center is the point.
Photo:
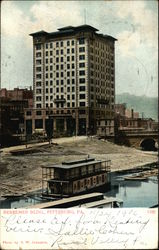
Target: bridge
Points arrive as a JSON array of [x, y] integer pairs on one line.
[[145, 139]]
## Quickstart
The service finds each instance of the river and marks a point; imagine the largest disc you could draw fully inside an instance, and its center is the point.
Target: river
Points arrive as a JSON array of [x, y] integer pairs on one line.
[[133, 193]]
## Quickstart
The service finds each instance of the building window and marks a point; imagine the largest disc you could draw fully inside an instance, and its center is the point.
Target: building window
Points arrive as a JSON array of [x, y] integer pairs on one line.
[[81, 40], [28, 113], [38, 69], [73, 89], [68, 66], [68, 89], [91, 181], [57, 52], [38, 76], [73, 81], [46, 53], [38, 105], [82, 104], [57, 74], [82, 49], [50, 75], [61, 82], [82, 57], [68, 81], [57, 44], [68, 58], [38, 112], [73, 42], [38, 84], [78, 185], [61, 74], [73, 58], [38, 91], [57, 59], [68, 43], [51, 68], [73, 97], [38, 54], [61, 51], [46, 45], [50, 53], [51, 60], [82, 72], [38, 62], [82, 96], [46, 61], [47, 90], [68, 97], [73, 73], [82, 65], [82, 88], [61, 43], [73, 104], [82, 80], [38, 46], [68, 51], [73, 50], [68, 73], [50, 45], [61, 59]]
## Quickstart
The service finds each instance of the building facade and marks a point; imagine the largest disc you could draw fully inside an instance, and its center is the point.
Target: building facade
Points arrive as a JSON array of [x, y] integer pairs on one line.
[[73, 81], [12, 105]]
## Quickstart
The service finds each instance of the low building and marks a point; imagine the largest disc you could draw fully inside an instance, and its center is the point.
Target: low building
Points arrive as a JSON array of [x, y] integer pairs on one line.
[[13, 103]]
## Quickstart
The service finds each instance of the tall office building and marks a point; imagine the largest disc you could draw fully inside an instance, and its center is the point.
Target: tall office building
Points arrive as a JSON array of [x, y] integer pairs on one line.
[[73, 81]]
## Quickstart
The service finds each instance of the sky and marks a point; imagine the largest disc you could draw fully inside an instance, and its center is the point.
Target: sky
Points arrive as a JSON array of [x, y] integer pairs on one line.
[[133, 22]]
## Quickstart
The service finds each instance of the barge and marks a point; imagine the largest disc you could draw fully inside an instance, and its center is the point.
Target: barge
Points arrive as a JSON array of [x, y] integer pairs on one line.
[[75, 177]]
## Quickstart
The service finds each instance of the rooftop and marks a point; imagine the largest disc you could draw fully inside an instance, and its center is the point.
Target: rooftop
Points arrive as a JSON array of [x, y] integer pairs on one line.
[[71, 30], [76, 164]]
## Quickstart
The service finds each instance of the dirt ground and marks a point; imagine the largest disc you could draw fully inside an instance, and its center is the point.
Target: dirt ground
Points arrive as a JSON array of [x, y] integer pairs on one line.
[[22, 174]]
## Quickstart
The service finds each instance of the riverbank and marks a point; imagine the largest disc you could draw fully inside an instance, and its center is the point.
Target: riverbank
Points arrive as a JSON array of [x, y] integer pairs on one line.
[[22, 174]]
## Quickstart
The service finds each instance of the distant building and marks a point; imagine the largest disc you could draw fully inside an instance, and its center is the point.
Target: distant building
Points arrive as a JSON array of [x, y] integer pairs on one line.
[[120, 109], [74, 81], [130, 113], [18, 94], [13, 103], [129, 119]]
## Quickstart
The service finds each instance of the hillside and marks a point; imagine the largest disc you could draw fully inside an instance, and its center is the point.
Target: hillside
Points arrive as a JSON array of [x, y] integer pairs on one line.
[[147, 105]]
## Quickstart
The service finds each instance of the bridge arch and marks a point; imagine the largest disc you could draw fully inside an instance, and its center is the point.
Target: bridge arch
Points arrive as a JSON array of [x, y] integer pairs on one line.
[[148, 144]]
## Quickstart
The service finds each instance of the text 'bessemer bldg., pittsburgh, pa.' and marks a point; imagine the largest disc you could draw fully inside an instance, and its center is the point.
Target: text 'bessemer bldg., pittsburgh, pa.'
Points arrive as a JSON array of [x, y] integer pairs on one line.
[[73, 82]]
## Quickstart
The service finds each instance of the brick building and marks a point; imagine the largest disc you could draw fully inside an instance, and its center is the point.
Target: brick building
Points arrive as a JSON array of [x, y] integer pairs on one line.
[[12, 105]]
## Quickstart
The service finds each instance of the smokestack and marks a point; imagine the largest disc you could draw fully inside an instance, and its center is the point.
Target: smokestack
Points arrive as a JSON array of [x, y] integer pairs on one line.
[[132, 113]]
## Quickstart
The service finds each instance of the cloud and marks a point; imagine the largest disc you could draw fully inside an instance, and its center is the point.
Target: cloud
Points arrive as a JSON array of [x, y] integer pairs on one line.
[[133, 23], [145, 21], [48, 15], [43, 15]]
